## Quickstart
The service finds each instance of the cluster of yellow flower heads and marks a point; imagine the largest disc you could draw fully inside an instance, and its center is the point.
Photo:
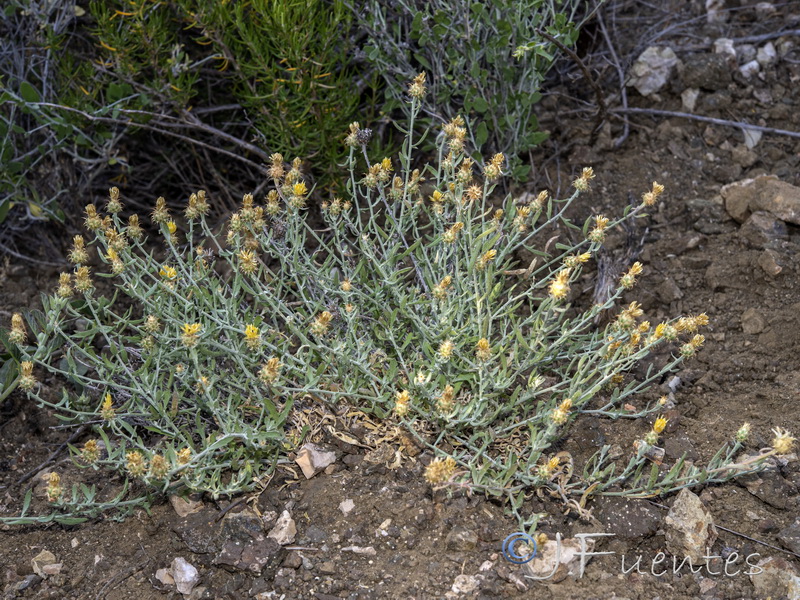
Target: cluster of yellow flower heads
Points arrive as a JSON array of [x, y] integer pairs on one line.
[[136, 464], [378, 173]]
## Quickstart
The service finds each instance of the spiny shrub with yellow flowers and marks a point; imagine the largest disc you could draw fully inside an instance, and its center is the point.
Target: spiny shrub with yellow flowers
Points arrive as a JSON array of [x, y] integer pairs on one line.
[[409, 304]]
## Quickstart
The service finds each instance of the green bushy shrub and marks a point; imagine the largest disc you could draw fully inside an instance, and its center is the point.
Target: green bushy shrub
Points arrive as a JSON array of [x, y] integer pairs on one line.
[[284, 63], [121, 89], [34, 178], [486, 60]]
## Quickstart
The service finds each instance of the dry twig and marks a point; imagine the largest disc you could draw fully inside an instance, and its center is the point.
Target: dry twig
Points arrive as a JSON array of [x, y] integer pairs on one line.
[[726, 122]]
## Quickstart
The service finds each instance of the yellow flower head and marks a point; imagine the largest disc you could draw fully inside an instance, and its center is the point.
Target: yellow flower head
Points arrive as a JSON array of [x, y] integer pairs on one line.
[[93, 220], [320, 324], [629, 279], [494, 169], [474, 192], [455, 132], [134, 230], [168, 272], [203, 384], [598, 234], [64, 285], [559, 287], [450, 236], [252, 336], [160, 214], [559, 415], [660, 424], [17, 334], [446, 350], [247, 262], [577, 259], [402, 400], [540, 199], [416, 88], [114, 205], [90, 452], [270, 371], [107, 410], [152, 324], [191, 328], [650, 198], [78, 252], [634, 310], [783, 442], [83, 282], [483, 351], [692, 324], [276, 170], [743, 433], [190, 333], [135, 463], [159, 468], [440, 290], [485, 259], [355, 136], [299, 189], [54, 490], [581, 184], [197, 205], [697, 341], [184, 456], [701, 320], [26, 379], [446, 401], [440, 471]]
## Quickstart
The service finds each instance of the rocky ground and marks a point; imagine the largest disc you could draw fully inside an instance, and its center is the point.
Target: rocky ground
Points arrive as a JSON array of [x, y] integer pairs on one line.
[[724, 240]]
